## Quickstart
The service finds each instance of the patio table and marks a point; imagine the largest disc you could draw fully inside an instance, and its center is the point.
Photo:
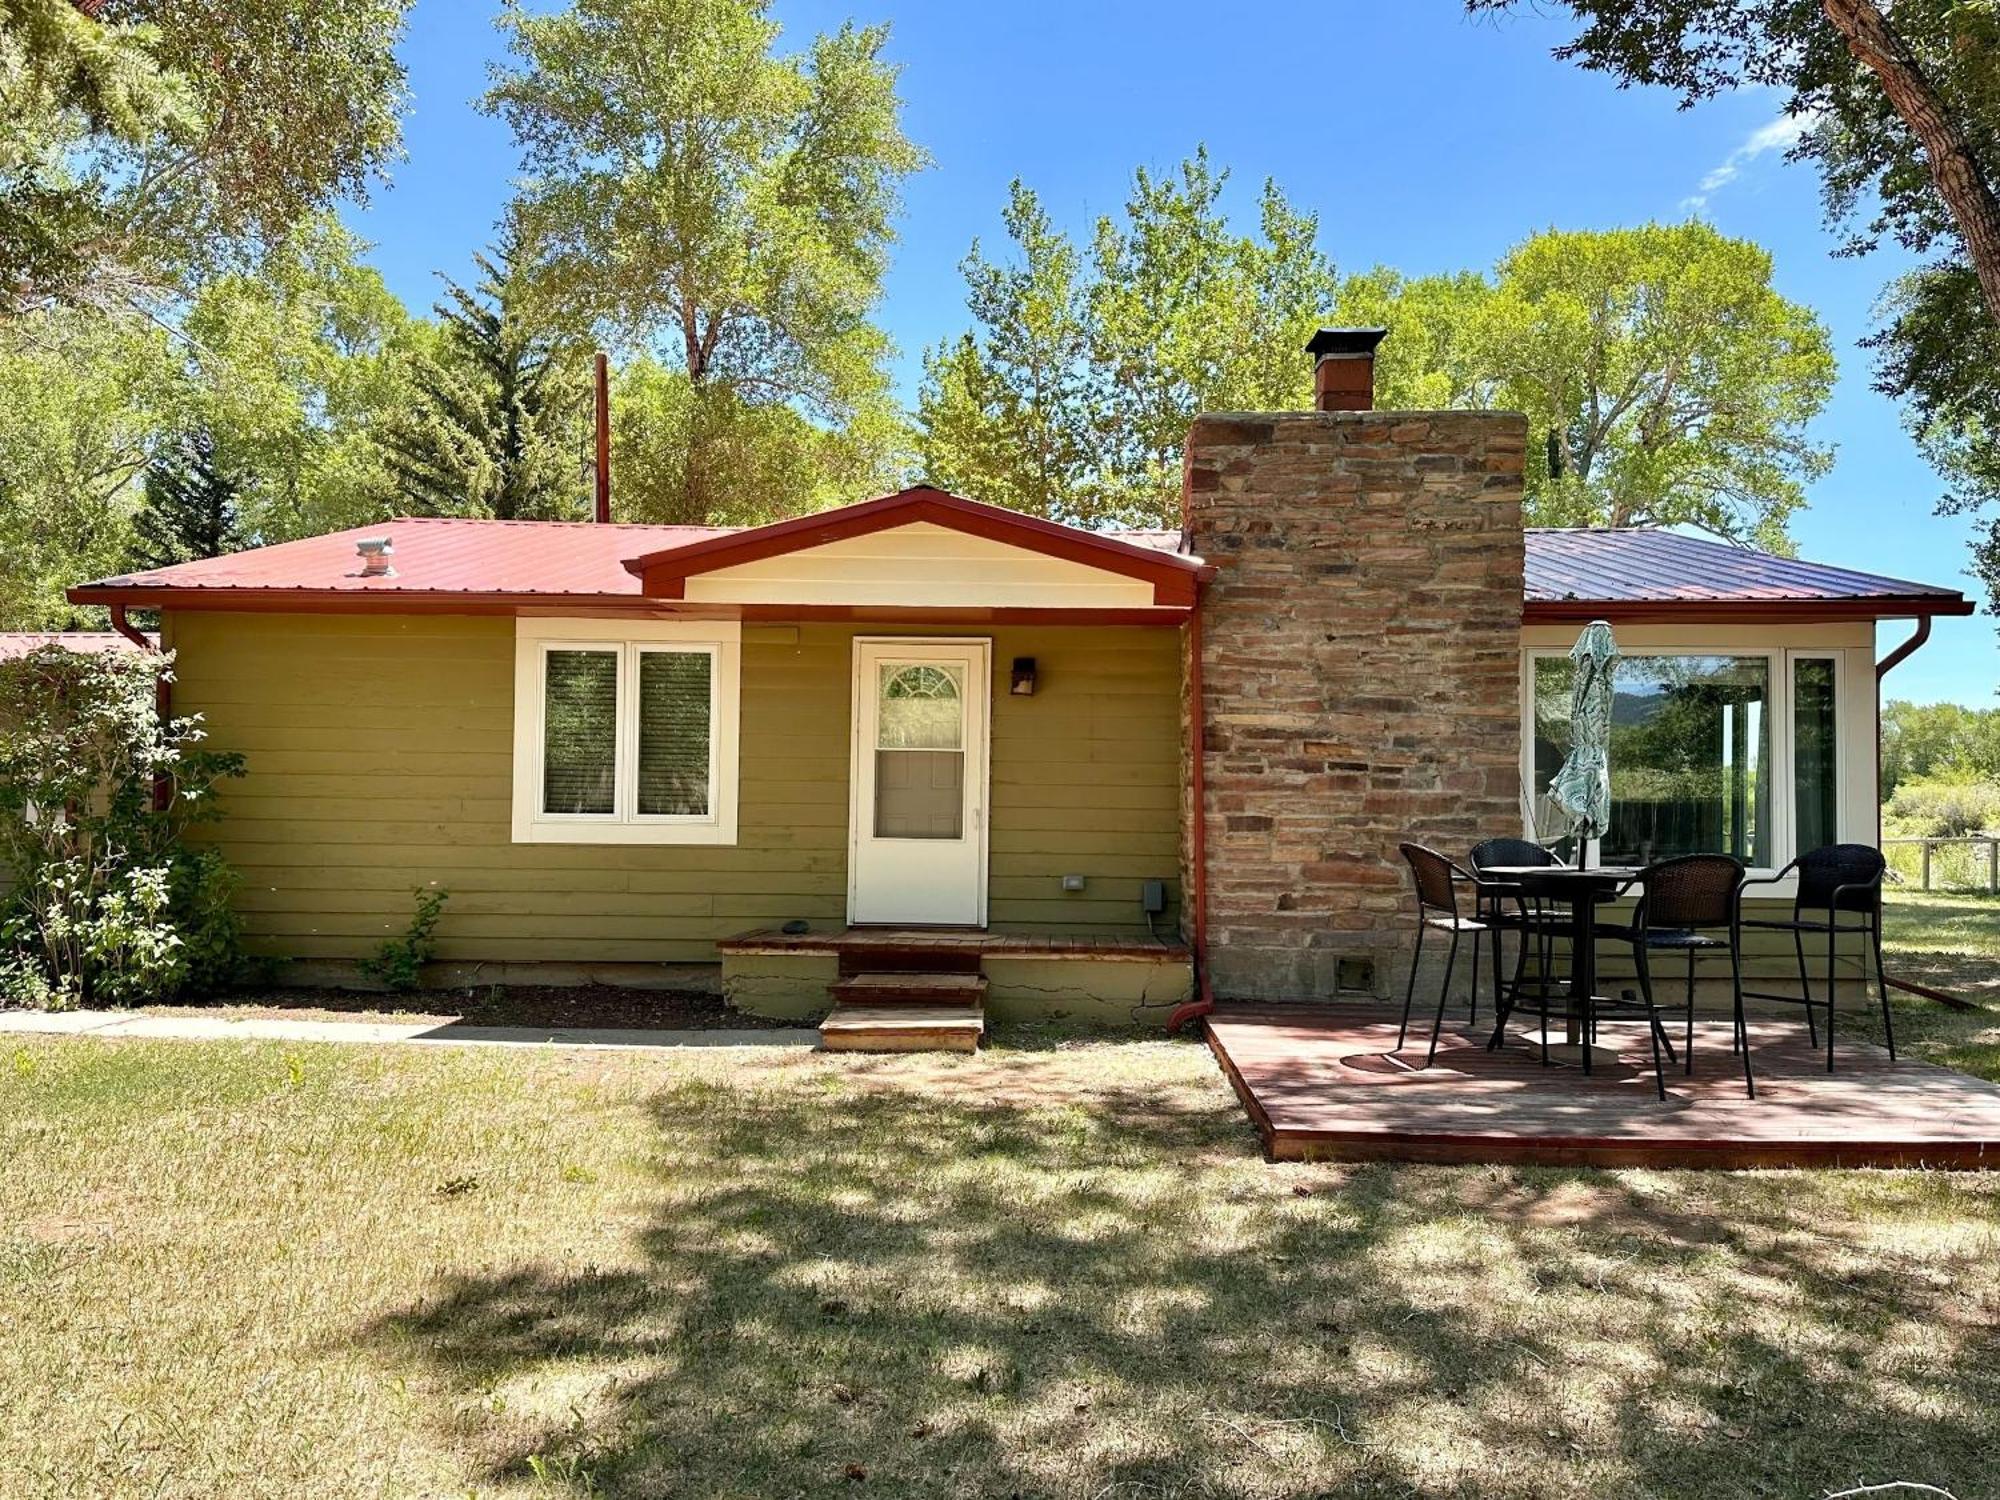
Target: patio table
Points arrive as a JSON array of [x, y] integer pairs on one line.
[[1582, 891]]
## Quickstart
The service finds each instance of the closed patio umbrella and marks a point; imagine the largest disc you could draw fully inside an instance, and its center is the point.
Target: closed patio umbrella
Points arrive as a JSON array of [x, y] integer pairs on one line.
[[1582, 786]]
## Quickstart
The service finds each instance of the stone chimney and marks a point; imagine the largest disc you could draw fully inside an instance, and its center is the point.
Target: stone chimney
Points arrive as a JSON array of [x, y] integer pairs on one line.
[[1344, 368], [1361, 671]]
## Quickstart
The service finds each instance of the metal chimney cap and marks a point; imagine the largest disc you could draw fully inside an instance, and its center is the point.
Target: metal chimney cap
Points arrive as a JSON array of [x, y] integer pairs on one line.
[[375, 552], [1345, 343]]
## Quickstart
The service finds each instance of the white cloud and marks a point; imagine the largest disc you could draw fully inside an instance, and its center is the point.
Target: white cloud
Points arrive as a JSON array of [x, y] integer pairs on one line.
[[1781, 134]]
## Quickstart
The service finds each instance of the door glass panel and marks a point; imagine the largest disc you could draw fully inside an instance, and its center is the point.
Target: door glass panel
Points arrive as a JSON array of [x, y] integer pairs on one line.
[[922, 707], [920, 751], [580, 732], [1815, 738]]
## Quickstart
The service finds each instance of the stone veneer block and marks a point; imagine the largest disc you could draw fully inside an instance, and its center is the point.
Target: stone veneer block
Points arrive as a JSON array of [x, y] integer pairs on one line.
[[1361, 662]]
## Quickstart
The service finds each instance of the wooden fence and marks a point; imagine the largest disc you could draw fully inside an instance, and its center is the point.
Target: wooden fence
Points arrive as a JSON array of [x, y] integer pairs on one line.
[[1937, 862]]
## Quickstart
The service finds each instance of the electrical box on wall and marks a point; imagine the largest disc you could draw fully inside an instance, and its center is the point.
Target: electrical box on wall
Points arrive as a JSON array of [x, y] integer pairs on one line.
[[1153, 897]]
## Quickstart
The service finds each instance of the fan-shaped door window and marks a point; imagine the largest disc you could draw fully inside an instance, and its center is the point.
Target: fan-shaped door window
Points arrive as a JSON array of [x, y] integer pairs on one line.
[[920, 751]]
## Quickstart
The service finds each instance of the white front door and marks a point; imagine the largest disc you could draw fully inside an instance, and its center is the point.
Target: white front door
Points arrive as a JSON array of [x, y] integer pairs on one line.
[[918, 855]]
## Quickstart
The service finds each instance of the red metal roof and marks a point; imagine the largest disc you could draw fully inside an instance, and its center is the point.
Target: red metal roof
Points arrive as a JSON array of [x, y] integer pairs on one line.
[[447, 564], [1633, 572], [15, 644], [430, 556], [440, 559]]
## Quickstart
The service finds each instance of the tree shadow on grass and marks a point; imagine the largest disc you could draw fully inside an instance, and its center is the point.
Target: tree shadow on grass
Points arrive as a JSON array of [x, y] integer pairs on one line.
[[922, 1294]]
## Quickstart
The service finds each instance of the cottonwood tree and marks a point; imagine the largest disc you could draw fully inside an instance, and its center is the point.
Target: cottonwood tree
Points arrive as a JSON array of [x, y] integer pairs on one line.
[[1664, 380], [497, 420], [1072, 396], [1012, 414], [1901, 105], [85, 402], [281, 371], [147, 144], [723, 209], [291, 367]]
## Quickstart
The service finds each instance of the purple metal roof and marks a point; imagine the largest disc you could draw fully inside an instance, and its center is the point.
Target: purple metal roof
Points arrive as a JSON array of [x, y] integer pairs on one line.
[[1569, 570]]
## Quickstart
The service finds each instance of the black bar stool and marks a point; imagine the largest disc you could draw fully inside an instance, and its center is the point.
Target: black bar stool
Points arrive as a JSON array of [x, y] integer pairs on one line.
[[1835, 881]]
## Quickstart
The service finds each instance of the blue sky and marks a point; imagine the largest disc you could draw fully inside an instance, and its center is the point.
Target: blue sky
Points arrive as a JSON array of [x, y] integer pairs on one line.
[[1423, 139]]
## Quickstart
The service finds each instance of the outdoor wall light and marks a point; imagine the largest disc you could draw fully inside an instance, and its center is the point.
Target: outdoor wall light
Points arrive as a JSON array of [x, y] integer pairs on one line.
[[1024, 677]]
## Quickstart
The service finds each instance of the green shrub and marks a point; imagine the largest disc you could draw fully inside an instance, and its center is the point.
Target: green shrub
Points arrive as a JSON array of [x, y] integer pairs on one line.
[[399, 963], [108, 905], [201, 889], [1941, 809]]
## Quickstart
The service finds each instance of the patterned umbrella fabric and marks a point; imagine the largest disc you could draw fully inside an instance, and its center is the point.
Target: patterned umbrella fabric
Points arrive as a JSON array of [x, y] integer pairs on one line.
[[1582, 787]]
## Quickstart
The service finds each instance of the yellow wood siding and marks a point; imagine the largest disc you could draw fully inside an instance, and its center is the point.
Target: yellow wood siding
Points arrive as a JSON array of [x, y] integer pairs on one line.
[[380, 758]]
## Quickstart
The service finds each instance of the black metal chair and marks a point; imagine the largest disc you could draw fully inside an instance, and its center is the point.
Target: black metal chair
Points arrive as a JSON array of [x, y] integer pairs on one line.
[[1506, 909], [1682, 904], [1437, 880], [1839, 892]]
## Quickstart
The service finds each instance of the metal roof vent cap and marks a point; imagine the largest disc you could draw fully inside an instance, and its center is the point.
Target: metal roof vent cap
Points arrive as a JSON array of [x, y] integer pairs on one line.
[[375, 553]]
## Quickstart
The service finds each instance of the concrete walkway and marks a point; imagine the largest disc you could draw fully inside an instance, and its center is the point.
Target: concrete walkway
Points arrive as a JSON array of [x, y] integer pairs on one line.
[[121, 1023]]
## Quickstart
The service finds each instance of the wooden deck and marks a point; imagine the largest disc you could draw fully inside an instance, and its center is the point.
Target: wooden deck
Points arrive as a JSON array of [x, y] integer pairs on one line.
[[1321, 1084]]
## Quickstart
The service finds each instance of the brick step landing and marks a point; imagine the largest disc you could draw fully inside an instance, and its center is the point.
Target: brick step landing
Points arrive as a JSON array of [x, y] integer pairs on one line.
[[903, 988]]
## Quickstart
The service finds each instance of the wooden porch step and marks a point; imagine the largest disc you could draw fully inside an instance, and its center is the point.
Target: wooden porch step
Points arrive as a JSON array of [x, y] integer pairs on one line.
[[906, 988], [902, 1028], [949, 953]]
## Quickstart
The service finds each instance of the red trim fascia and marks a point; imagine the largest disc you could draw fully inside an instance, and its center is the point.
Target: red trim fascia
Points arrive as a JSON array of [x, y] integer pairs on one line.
[[608, 606], [664, 574], [1197, 896], [346, 601], [1742, 611]]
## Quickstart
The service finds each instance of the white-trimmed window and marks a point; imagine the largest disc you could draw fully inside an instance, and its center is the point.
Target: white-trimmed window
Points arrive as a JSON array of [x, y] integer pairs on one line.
[[626, 733], [1713, 750]]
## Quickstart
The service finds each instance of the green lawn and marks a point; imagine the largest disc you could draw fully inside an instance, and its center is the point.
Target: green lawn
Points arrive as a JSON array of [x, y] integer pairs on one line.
[[1951, 943], [1057, 1269]]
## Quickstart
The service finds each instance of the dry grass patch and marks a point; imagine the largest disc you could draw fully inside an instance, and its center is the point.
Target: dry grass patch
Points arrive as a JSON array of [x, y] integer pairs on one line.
[[1056, 1269]]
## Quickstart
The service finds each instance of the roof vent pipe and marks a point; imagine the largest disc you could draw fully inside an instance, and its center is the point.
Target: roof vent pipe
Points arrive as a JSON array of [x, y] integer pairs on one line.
[[601, 478], [375, 553], [1344, 368]]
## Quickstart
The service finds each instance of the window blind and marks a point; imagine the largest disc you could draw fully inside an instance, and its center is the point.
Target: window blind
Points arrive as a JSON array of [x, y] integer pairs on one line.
[[580, 732], [674, 733]]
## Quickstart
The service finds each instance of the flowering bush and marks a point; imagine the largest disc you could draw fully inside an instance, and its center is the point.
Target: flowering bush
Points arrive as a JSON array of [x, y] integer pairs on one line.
[[107, 903]]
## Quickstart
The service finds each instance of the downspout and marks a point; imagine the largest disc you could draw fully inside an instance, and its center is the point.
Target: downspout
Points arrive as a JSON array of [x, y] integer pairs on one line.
[[1907, 649], [163, 697], [1882, 669], [1204, 1000]]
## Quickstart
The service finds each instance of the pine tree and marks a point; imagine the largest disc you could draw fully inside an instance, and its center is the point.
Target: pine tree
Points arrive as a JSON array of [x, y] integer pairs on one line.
[[190, 506], [497, 427]]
